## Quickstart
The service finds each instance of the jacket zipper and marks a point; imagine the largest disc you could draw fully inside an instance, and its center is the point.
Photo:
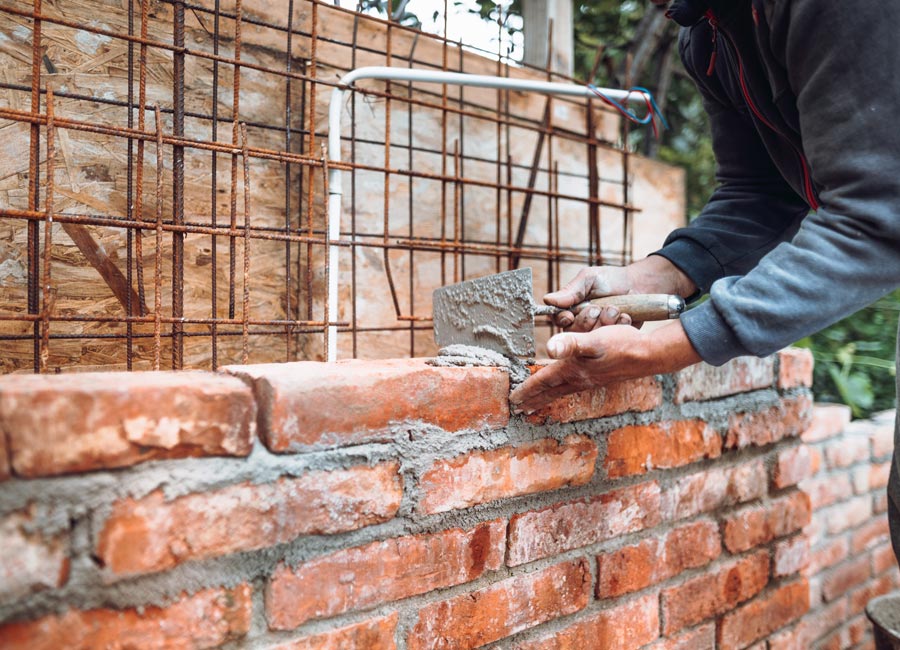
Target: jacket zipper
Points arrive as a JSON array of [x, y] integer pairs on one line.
[[807, 179]]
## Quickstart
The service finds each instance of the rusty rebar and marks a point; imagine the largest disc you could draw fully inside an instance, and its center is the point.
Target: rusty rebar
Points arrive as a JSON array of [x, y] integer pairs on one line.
[[194, 132]]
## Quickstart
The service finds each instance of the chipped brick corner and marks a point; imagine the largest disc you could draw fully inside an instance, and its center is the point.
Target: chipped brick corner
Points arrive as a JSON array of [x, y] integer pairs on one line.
[[391, 505]]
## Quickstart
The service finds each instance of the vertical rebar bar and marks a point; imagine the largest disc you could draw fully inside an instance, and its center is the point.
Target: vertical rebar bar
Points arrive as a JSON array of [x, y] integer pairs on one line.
[[310, 148], [46, 280], [289, 56], [157, 275], [34, 180], [214, 194], [387, 178], [245, 307], [129, 196], [178, 186], [235, 128]]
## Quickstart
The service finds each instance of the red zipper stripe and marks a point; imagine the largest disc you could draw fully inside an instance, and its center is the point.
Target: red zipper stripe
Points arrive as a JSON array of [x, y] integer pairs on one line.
[[807, 180]]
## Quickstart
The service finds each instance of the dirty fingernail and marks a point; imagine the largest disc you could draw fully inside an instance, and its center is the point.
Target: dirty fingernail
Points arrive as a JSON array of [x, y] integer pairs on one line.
[[553, 347], [612, 312], [594, 313]]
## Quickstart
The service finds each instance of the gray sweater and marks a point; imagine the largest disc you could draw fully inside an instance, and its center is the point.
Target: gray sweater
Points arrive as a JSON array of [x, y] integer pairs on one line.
[[803, 97]]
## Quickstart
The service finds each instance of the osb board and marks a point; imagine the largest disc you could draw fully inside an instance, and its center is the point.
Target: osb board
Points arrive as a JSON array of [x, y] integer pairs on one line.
[[91, 178]]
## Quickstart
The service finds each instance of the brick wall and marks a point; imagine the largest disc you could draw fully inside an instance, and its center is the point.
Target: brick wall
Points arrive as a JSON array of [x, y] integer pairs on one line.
[[391, 504]]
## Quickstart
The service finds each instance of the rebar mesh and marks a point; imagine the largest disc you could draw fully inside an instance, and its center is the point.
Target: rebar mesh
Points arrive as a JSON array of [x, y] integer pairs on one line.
[[162, 199]]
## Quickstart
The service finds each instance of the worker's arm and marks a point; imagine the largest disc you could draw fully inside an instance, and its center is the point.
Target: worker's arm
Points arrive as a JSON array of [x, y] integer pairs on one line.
[[753, 208], [841, 62]]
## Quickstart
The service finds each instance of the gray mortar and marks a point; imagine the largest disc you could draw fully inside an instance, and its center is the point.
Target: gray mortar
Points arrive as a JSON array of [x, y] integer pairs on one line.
[[470, 355]]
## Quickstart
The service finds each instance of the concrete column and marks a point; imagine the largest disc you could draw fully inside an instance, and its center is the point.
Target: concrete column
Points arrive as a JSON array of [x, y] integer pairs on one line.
[[537, 15]]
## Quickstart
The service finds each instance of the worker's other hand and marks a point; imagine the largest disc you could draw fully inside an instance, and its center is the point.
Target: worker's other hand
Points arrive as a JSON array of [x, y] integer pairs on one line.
[[654, 274], [608, 354]]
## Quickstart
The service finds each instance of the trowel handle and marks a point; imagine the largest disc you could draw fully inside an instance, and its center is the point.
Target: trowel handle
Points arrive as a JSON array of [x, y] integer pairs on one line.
[[641, 307]]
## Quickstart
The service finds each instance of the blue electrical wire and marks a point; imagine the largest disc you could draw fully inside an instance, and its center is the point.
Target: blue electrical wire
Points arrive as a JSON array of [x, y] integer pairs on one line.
[[630, 114]]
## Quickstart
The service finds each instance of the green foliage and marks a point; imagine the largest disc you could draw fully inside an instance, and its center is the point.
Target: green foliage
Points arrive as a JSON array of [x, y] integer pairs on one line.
[[855, 358]]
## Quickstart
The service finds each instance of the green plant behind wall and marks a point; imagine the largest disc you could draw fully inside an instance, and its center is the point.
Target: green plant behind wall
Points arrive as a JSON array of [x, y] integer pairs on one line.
[[855, 358]]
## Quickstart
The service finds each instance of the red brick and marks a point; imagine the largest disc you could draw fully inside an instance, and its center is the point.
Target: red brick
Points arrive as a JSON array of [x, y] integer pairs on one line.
[[550, 531], [31, 561], [827, 555], [714, 592], [381, 572], [879, 502], [837, 640], [483, 476], [795, 368], [374, 634], [699, 638], [741, 375], [59, 424], [151, 534], [844, 577], [826, 490], [860, 478], [713, 489], [637, 449], [643, 394], [828, 420], [815, 625], [870, 534], [788, 418], [207, 619], [367, 398], [883, 558], [882, 437], [502, 609], [791, 555], [757, 525], [857, 628], [764, 615], [860, 597], [653, 560], [848, 514], [792, 466], [878, 475], [626, 626], [846, 450]]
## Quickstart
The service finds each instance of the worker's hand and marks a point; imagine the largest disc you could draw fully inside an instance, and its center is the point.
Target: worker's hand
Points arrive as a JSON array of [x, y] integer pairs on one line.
[[597, 358], [590, 283], [654, 274]]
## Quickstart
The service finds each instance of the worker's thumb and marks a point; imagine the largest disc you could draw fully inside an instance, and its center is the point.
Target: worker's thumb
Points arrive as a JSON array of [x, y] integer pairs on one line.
[[564, 346]]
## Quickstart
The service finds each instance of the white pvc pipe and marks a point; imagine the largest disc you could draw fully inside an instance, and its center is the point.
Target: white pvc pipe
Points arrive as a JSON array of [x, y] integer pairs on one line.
[[335, 191]]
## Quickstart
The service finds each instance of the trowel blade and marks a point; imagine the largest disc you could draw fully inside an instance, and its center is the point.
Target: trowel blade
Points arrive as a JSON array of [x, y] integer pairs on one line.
[[494, 312]]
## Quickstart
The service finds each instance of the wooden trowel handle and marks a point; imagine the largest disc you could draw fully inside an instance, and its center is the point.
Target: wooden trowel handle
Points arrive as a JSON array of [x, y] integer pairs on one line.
[[641, 307]]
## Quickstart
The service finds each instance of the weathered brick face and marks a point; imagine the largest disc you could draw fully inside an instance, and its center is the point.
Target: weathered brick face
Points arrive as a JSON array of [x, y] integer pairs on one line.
[[395, 506]]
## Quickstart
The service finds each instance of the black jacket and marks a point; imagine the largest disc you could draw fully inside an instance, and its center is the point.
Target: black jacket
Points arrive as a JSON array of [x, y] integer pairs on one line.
[[803, 96]]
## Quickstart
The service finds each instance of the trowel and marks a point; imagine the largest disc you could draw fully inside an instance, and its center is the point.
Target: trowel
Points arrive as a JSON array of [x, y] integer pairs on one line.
[[497, 312]]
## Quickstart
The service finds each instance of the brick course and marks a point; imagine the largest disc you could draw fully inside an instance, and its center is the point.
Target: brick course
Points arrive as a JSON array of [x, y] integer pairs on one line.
[[509, 606], [206, 619], [151, 534], [307, 405], [381, 572], [483, 476], [59, 425]]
